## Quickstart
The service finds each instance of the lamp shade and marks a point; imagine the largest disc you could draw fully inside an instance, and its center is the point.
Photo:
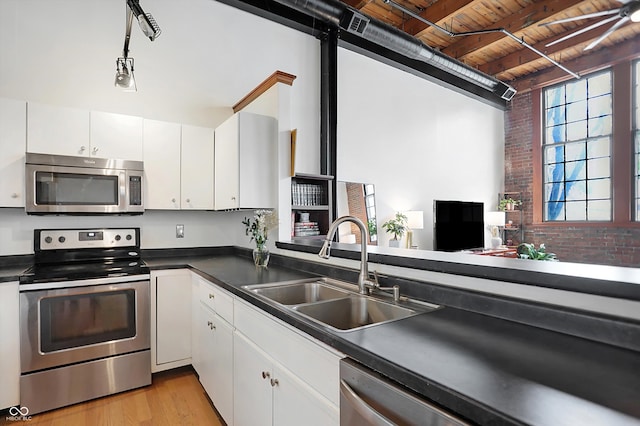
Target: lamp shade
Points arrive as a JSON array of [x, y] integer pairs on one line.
[[415, 219], [494, 218]]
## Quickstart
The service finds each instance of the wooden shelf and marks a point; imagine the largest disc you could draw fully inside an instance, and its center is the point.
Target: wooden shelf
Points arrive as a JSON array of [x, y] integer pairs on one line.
[[318, 207]]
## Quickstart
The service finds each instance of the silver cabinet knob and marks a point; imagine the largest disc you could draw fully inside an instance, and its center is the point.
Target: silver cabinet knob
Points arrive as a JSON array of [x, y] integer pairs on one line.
[[173, 200], [82, 148], [266, 374], [14, 195], [274, 382], [211, 325], [188, 200], [233, 198], [211, 296], [95, 150]]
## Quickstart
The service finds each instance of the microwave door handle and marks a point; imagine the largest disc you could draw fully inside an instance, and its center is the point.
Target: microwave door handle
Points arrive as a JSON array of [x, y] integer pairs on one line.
[[361, 407]]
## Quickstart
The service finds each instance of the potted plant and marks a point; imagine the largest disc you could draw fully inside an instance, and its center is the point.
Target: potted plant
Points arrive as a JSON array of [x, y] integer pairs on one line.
[[508, 204], [396, 226], [529, 251], [258, 229]]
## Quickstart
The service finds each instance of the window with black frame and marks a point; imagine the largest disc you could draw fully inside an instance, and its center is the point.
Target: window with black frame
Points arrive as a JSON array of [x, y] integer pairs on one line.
[[636, 132], [577, 146]]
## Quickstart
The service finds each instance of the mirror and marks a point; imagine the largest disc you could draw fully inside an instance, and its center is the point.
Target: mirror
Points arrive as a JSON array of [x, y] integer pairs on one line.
[[356, 199]]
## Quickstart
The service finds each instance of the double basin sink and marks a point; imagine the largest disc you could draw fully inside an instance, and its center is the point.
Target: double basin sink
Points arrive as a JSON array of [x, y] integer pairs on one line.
[[335, 304]]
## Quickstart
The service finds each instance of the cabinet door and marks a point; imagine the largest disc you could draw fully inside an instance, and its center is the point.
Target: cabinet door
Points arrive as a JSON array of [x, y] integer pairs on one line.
[[116, 136], [206, 347], [162, 165], [173, 314], [197, 168], [10, 347], [295, 403], [13, 144], [227, 165], [257, 159], [57, 130], [222, 368], [252, 394]]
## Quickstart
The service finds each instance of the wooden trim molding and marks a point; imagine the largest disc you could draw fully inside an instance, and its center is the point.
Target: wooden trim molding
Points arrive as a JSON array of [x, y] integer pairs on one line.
[[536, 116], [272, 80]]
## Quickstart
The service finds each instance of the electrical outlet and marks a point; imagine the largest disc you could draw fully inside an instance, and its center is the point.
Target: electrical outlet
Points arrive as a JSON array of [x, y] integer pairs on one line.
[[179, 231]]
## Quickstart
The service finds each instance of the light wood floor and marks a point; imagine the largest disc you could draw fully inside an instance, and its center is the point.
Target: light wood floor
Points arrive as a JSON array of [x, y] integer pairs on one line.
[[174, 398]]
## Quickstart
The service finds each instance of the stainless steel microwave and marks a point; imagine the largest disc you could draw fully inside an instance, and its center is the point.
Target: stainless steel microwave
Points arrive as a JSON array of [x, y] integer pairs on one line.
[[60, 184]]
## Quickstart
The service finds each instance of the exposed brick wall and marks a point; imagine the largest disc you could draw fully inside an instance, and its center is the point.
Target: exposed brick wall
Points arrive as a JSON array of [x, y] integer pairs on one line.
[[357, 208], [601, 245]]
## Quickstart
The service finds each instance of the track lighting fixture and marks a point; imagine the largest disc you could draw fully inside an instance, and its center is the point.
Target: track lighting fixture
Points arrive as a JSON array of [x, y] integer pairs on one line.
[[124, 75]]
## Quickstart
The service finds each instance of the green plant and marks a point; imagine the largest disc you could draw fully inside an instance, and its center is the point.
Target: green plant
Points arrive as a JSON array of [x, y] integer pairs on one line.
[[396, 226], [508, 204], [529, 251], [258, 227], [373, 227]]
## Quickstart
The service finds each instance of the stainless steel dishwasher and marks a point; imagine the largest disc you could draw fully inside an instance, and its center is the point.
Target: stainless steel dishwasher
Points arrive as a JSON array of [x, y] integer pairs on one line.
[[368, 398]]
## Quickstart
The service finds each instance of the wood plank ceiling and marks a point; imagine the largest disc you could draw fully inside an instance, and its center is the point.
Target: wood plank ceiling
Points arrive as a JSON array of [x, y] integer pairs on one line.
[[495, 53]]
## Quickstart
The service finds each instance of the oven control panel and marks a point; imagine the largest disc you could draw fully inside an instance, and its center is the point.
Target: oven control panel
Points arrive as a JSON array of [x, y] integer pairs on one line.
[[55, 239]]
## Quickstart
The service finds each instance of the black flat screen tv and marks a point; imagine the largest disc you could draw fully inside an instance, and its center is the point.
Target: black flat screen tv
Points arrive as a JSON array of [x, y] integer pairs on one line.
[[458, 225]]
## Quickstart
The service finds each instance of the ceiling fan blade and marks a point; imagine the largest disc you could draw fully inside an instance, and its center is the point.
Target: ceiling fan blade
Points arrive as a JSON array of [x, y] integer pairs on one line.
[[584, 30], [587, 16], [607, 33]]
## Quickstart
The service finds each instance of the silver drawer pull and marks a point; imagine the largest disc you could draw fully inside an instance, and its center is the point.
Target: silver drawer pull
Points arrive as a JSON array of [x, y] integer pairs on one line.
[[211, 296], [274, 382], [266, 374]]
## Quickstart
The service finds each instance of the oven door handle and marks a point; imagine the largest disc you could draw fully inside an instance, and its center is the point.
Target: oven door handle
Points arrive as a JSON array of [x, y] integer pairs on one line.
[[361, 407]]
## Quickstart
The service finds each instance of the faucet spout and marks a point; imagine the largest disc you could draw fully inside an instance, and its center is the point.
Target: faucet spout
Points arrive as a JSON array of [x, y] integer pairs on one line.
[[363, 277]]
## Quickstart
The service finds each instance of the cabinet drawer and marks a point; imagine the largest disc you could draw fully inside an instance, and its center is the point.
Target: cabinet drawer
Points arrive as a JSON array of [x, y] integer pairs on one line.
[[310, 360], [220, 301]]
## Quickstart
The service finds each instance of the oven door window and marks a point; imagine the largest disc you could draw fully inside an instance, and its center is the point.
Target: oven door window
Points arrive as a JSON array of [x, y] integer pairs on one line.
[[78, 320], [76, 189]]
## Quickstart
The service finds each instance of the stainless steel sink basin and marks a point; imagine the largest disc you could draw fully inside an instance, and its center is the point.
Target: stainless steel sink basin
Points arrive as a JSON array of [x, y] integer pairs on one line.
[[295, 294], [354, 312]]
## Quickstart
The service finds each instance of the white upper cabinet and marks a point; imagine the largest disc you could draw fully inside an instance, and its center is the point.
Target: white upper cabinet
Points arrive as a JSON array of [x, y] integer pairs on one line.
[[246, 162], [116, 136], [162, 165], [197, 168], [58, 130], [13, 142]]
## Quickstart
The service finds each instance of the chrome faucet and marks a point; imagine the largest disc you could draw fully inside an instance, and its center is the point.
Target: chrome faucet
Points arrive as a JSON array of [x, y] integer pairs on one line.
[[363, 279]]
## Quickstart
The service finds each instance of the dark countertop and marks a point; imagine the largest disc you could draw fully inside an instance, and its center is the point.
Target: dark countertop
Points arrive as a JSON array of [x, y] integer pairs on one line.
[[489, 370]]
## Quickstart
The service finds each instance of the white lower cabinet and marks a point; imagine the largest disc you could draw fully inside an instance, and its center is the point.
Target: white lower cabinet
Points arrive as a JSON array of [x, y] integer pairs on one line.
[[9, 346], [280, 376], [171, 319], [215, 337]]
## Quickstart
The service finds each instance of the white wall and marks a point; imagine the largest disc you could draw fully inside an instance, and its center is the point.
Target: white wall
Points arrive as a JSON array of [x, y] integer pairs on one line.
[[415, 141], [207, 58]]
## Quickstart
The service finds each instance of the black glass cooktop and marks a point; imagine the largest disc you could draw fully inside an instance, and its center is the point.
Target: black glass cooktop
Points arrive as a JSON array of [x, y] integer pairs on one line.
[[41, 273]]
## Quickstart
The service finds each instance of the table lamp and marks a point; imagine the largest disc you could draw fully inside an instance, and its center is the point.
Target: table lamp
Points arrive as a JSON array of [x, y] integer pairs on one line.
[[415, 220], [495, 220]]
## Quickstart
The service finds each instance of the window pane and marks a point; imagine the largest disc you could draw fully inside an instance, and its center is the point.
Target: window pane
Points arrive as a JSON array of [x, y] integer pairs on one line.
[[600, 126], [554, 211], [576, 190], [576, 91], [576, 210], [577, 111], [598, 168], [599, 188], [598, 148], [555, 134], [555, 115], [554, 96], [555, 173], [600, 84], [576, 131], [599, 210], [575, 171], [554, 192], [576, 151], [600, 106], [554, 154]]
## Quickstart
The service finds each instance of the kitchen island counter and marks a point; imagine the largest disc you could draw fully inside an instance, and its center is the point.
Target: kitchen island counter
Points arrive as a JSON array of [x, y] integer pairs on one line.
[[486, 369]]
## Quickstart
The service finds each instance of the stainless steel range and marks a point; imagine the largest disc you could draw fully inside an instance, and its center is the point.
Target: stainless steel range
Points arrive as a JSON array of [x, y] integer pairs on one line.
[[84, 317]]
